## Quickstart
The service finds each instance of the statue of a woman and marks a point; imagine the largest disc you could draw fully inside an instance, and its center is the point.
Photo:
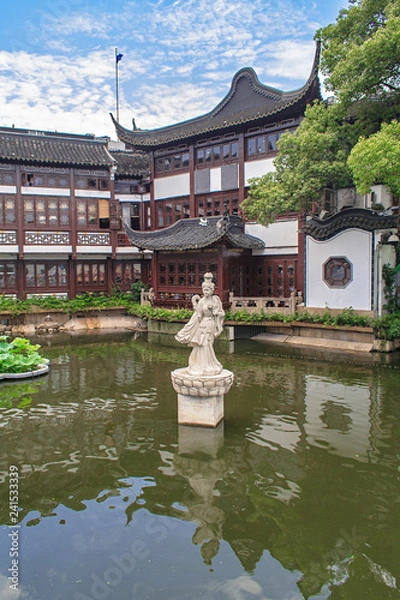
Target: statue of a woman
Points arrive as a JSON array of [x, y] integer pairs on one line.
[[202, 329]]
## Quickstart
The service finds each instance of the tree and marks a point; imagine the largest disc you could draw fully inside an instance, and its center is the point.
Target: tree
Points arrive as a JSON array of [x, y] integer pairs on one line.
[[376, 159], [309, 161], [361, 63], [361, 51]]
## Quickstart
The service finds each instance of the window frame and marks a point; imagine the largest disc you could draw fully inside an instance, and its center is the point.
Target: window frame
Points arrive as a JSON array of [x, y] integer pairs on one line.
[[88, 222], [93, 274], [9, 279], [220, 153], [35, 284], [328, 276], [4, 211], [171, 163], [42, 219]]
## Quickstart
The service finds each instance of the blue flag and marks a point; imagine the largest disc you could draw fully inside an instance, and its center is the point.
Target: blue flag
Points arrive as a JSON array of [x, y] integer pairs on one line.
[[118, 57]]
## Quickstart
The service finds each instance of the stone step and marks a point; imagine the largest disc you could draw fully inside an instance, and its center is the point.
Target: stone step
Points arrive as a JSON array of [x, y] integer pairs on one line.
[[313, 342]]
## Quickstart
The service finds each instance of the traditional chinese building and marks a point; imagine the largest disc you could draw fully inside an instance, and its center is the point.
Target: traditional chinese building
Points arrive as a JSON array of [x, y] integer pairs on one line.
[[200, 169], [183, 252], [59, 216]]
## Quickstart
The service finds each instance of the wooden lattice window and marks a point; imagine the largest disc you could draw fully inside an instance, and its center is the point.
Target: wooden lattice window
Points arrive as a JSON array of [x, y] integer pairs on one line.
[[337, 272]]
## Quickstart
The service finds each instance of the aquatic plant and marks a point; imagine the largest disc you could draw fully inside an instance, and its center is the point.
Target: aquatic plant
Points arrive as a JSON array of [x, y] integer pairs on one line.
[[19, 355]]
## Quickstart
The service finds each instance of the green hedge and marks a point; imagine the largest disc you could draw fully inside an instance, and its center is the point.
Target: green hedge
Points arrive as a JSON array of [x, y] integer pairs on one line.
[[386, 327]]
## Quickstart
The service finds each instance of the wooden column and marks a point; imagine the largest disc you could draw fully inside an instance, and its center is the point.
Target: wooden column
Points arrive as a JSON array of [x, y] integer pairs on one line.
[[71, 278], [19, 207], [192, 163], [73, 238], [152, 194], [301, 256], [241, 142]]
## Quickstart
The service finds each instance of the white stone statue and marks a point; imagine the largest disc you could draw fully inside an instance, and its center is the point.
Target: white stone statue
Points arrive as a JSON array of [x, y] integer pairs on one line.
[[202, 329]]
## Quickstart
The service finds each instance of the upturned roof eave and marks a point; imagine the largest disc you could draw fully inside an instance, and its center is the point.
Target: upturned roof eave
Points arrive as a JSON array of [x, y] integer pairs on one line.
[[192, 128], [151, 139]]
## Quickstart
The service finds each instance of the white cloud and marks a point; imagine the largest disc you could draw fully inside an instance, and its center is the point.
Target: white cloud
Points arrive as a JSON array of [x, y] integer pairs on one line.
[[179, 59], [10, 594], [47, 92], [290, 59], [243, 587], [82, 23], [160, 106]]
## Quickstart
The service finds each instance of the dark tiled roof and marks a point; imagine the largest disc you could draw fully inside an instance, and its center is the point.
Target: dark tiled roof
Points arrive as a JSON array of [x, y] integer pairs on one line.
[[352, 218], [248, 101], [195, 234], [131, 164], [50, 148]]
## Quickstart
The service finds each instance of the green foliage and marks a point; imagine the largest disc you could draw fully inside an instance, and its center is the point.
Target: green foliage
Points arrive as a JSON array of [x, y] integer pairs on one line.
[[361, 51], [388, 327], [148, 312], [348, 317], [136, 289], [392, 298], [81, 303], [309, 161], [19, 355], [376, 159], [361, 63]]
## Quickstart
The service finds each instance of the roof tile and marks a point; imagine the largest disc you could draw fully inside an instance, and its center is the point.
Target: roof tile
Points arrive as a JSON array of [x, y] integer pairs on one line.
[[195, 234], [352, 218], [25, 147]]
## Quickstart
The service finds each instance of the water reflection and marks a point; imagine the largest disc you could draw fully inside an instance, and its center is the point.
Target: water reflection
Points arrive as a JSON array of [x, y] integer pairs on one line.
[[295, 495]]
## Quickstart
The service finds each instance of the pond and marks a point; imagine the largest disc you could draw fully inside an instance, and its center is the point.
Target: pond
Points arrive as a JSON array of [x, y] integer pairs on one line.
[[295, 495]]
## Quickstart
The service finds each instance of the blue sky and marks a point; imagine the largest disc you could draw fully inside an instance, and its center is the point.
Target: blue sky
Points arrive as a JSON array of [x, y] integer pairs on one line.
[[57, 57]]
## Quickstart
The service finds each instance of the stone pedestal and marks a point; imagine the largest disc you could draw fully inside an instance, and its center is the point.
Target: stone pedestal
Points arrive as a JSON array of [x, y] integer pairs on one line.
[[201, 397]]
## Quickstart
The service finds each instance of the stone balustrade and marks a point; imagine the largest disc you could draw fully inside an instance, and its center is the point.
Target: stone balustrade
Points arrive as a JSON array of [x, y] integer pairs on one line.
[[266, 304]]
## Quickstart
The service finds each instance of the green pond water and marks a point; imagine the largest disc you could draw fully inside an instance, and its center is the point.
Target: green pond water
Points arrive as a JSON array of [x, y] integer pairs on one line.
[[296, 495]]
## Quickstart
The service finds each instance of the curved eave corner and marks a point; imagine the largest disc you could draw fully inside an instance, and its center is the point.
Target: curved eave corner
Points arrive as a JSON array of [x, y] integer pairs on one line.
[[313, 78]]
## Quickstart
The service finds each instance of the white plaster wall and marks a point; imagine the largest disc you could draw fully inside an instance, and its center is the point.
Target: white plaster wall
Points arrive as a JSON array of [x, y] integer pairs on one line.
[[279, 237], [257, 168], [356, 246], [8, 189], [48, 191], [215, 180], [132, 197], [173, 186], [7, 251], [88, 193]]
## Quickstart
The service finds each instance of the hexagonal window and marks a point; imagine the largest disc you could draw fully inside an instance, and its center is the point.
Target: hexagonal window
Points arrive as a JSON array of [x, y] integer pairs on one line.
[[337, 272]]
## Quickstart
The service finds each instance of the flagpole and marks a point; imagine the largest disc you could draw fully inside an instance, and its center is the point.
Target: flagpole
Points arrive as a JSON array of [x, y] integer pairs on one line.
[[116, 84]]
